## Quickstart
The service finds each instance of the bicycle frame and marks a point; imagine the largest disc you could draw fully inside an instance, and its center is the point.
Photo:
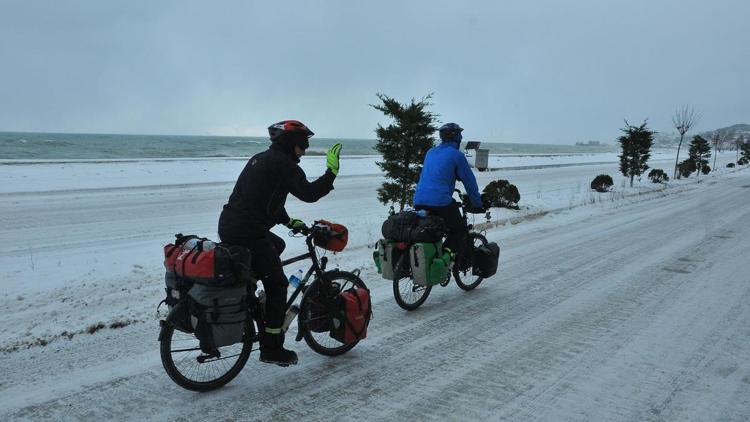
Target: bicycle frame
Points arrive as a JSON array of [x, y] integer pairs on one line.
[[316, 266], [464, 213]]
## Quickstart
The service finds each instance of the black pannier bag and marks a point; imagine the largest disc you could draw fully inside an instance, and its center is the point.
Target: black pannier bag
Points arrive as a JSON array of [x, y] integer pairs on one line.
[[408, 227], [218, 314], [398, 226], [486, 260], [319, 318], [179, 317]]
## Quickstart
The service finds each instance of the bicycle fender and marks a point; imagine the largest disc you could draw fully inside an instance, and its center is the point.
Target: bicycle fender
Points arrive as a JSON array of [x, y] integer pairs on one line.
[[162, 324]]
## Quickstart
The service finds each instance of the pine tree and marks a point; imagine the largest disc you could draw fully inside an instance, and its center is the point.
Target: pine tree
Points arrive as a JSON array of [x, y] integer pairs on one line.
[[699, 152], [687, 167], [636, 149], [745, 149], [403, 145]]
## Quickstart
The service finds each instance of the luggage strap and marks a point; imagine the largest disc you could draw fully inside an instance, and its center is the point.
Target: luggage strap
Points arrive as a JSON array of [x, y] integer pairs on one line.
[[185, 260]]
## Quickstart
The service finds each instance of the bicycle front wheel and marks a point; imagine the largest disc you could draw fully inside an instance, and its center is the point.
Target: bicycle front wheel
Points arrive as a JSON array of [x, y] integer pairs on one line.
[[463, 268], [314, 315], [408, 295], [191, 369]]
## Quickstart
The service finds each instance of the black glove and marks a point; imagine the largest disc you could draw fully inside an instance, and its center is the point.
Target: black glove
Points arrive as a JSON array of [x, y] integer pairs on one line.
[[486, 203], [475, 210]]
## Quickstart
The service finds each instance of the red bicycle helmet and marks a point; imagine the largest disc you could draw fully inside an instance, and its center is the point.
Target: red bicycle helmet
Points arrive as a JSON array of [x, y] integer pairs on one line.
[[286, 127]]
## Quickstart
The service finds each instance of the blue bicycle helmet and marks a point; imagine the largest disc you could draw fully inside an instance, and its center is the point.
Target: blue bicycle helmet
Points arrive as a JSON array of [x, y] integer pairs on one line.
[[450, 132]]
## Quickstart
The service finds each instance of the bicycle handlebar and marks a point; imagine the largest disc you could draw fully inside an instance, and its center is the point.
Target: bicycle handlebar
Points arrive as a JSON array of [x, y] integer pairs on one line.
[[467, 206], [315, 229], [466, 203]]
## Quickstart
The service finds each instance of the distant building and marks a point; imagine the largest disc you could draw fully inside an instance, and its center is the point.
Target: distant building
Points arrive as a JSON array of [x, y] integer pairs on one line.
[[588, 144]]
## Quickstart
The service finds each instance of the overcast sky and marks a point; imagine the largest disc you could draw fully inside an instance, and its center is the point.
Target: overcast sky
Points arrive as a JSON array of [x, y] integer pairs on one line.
[[513, 71]]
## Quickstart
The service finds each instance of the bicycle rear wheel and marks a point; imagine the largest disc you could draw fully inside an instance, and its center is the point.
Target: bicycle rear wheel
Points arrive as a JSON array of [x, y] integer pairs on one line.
[[462, 269], [408, 295], [191, 369], [314, 318]]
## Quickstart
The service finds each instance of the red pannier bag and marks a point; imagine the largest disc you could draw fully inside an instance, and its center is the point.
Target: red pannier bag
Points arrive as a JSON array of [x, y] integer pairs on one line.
[[336, 238], [176, 286], [199, 260], [173, 250], [350, 321]]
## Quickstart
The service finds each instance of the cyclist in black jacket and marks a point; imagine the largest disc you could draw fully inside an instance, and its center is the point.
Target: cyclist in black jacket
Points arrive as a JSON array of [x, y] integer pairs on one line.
[[257, 204]]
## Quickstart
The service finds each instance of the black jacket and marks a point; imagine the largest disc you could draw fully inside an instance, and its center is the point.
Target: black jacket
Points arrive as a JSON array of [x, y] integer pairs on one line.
[[257, 201]]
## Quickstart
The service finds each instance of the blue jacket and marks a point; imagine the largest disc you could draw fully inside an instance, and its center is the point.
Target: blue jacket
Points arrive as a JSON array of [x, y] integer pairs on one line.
[[443, 165]]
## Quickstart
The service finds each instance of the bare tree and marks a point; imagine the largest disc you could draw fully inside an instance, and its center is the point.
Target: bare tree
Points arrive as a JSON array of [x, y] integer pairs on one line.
[[726, 140], [717, 140], [683, 120]]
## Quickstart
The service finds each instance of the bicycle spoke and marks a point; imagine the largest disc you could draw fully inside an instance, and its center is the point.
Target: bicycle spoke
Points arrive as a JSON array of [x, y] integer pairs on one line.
[[192, 349], [184, 360]]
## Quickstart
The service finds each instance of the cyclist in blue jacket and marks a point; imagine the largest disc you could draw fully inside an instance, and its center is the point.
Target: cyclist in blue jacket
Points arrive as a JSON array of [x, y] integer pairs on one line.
[[443, 165]]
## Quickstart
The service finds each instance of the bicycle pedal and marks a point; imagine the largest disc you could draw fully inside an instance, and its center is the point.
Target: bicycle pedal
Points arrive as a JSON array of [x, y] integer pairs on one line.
[[203, 358]]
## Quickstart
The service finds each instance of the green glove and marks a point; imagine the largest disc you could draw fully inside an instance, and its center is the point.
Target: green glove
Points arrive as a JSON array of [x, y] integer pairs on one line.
[[332, 159], [295, 224]]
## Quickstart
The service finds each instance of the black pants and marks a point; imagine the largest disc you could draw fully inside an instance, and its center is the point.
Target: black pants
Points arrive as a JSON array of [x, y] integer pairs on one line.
[[265, 258], [457, 230]]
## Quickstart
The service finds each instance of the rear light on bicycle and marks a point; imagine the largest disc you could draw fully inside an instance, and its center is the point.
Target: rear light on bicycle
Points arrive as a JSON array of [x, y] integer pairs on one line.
[[402, 246]]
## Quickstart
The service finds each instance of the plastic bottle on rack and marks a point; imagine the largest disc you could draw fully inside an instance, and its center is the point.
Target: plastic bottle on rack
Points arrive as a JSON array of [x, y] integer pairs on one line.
[[190, 244], [290, 315], [262, 302], [296, 278]]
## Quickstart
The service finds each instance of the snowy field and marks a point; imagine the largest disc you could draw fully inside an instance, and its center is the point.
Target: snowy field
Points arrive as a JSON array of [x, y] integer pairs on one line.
[[626, 306]]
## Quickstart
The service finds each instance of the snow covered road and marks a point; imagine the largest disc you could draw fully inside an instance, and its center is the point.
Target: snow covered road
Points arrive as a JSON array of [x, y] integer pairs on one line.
[[624, 310]]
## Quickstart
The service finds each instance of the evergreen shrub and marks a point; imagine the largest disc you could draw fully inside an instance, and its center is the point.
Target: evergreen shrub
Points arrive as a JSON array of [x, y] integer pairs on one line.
[[602, 183], [658, 176], [501, 193]]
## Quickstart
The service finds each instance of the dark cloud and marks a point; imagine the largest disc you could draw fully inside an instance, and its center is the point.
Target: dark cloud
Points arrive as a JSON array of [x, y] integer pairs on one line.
[[544, 71]]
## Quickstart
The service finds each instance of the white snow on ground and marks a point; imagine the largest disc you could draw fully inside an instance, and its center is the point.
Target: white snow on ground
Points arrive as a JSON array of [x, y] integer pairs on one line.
[[628, 305], [50, 175]]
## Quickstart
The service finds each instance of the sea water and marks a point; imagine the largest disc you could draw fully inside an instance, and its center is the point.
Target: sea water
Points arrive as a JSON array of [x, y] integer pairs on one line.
[[76, 146]]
